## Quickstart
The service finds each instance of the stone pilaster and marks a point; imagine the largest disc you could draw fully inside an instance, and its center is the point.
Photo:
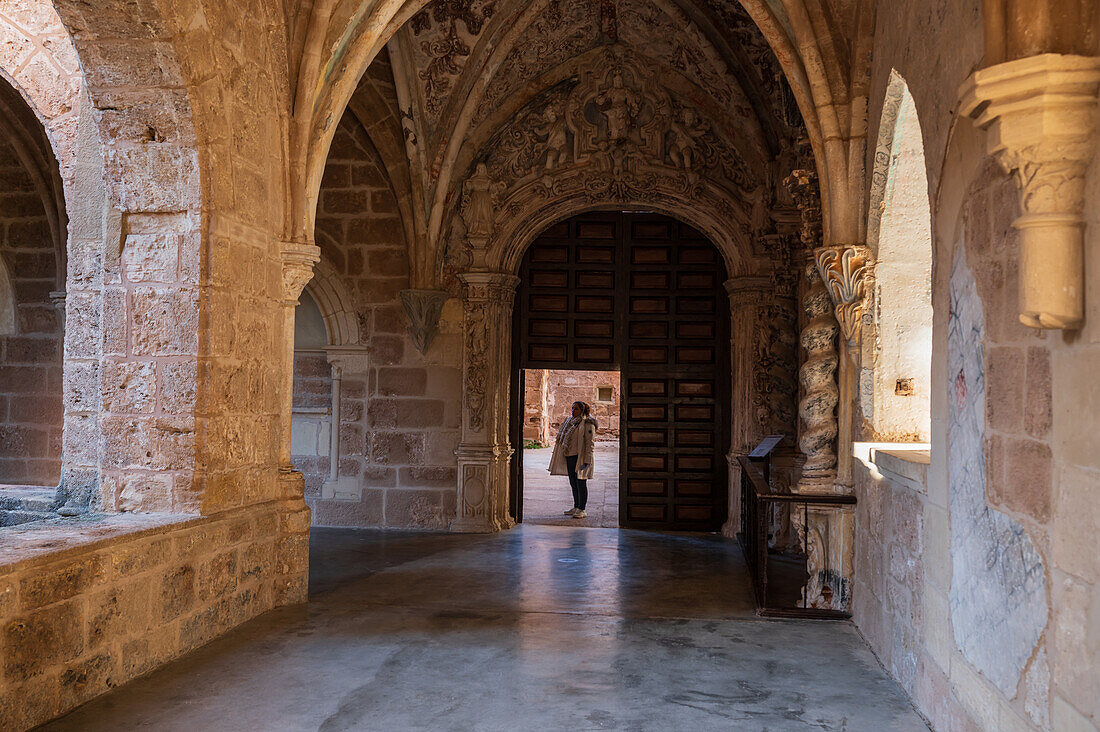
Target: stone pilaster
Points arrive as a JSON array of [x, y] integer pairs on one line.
[[484, 451], [827, 534], [846, 272], [749, 298], [292, 542], [1040, 113]]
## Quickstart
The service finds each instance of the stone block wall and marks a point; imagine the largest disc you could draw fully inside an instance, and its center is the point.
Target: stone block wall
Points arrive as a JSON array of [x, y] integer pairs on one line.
[[126, 595], [400, 418], [549, 395], [31, 414], [1011, 506]]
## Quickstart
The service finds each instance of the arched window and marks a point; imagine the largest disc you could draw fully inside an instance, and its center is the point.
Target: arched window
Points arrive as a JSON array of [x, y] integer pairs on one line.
[[896, 380]]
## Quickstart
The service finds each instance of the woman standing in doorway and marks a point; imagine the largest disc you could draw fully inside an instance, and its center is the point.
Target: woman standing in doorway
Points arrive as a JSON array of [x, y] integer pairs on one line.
[[573, 455]]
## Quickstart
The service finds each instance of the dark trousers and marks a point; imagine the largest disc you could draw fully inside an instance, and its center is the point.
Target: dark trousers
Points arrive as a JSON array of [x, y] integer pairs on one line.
[[580, 487]]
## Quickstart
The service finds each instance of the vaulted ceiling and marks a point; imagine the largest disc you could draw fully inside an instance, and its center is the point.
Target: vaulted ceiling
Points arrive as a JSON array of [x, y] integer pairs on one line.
[[454, 78]]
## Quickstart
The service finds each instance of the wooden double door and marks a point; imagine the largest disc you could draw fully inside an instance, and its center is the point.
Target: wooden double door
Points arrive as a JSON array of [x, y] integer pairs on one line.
[[641, 294]]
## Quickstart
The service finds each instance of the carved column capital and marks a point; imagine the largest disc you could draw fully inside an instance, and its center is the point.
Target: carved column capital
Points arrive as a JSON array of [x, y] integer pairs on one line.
[[298, 262], [488, 286], [749, 291], [846, 272], [1040, 113]]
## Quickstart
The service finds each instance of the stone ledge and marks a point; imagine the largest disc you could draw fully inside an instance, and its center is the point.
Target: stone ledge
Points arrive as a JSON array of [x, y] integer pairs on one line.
[[903, 463], [43, 542], [907, 468]]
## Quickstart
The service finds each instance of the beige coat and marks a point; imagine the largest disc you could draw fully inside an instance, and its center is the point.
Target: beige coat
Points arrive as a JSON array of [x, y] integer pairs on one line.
[[584, 454]]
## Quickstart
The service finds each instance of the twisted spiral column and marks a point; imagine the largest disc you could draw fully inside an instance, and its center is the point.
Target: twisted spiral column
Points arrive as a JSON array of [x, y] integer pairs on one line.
[[820, 395]]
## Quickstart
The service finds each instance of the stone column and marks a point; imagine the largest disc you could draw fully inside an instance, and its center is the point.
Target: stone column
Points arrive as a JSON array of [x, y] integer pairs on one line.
[[484, 451], [819, 389], [351, 358], [846, 273], [1040, 113], [334, 429], [292, 542]]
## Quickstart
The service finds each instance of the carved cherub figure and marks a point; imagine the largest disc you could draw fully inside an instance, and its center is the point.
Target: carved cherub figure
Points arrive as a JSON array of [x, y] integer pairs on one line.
[[684, 132], [556, 141]]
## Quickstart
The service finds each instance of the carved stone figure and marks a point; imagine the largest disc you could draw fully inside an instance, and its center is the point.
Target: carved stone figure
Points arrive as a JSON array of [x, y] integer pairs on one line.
[[557, 139], [620, 106], [683, 134], [478, 213]]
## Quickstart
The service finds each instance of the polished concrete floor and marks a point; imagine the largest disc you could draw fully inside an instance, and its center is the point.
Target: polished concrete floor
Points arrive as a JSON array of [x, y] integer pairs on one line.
[[539, 628], [546, 496]]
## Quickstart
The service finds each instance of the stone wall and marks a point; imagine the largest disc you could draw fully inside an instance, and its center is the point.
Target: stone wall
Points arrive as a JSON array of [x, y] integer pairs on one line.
[[562, 388], [126, 595], [30, 355], [399, 419], [981, 594]]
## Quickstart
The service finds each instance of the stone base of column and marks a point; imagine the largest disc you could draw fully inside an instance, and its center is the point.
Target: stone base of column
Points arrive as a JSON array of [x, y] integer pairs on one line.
[[482, 489], [826, 533], [292, 539], [816, 483]]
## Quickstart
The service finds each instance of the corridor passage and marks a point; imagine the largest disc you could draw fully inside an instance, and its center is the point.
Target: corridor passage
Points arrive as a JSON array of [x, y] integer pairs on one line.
[[539, 628]]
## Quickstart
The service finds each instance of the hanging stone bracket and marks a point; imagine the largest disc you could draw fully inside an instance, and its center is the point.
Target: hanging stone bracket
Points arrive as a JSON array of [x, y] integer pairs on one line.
[[423, 308], [1040, 113]]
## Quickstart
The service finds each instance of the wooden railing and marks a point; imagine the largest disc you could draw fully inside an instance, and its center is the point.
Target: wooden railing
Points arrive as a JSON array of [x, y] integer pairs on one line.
[[778, 579]]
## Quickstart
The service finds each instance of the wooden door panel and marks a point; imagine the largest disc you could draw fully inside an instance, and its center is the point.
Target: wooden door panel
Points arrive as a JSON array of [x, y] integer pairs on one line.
[[641, 293]]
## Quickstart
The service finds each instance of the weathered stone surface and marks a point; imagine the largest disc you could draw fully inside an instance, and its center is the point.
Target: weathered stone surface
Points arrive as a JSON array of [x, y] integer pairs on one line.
[[61, 583], [998, 584], [33, 643]]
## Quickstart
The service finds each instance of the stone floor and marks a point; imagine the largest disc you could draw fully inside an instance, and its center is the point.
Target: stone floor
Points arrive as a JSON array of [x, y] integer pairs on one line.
[[539, 628], [545, 496]]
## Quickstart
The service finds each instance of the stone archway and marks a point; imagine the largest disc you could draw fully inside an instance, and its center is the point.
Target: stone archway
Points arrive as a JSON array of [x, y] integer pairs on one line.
[[488, 296], [644, 295]]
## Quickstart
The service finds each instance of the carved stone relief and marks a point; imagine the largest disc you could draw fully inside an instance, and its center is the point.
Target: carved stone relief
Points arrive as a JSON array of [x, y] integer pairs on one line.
[[617, 133], [445, 32]]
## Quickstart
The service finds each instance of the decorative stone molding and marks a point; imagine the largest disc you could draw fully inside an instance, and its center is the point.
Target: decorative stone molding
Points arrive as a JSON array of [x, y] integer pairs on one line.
[[846, 272], [1040, 113], [423, 308]]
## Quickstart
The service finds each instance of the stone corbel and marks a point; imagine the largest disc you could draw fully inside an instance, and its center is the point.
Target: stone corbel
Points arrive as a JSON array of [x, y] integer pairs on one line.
[[298, 262], [846, 272], [423, 308], [1040, 113]]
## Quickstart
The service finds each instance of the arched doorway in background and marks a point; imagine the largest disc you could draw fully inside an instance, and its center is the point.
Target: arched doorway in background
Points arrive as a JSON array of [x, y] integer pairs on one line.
[[642, 294]]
